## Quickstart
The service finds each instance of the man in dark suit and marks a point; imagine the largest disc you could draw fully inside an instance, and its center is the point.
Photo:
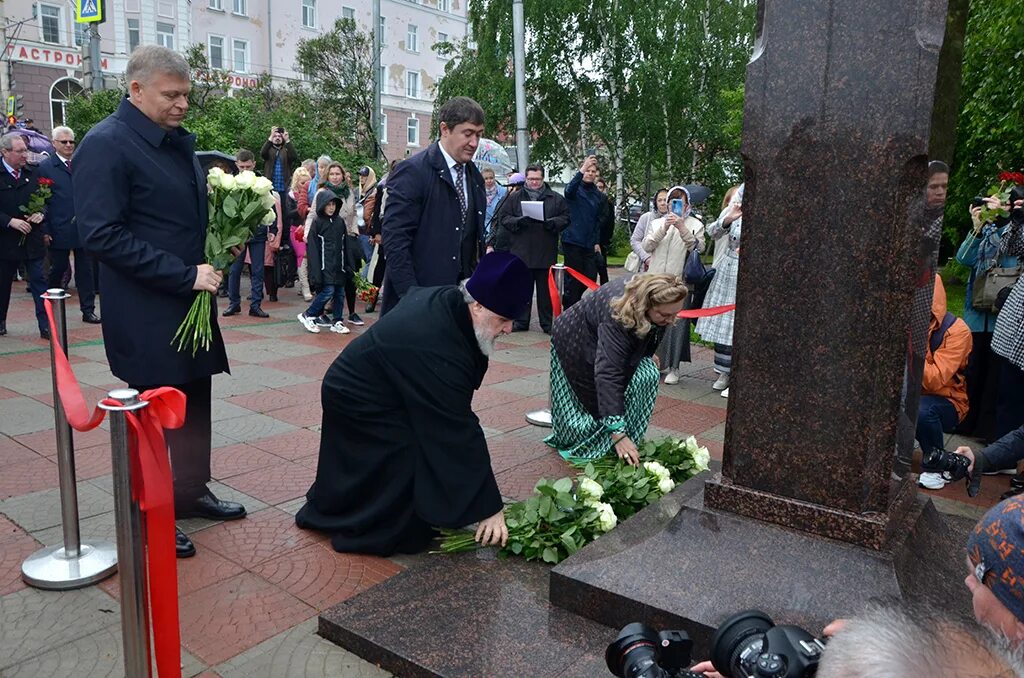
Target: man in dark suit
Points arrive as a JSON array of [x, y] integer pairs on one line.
[[435, 207], [23, 237], [532, 240], [142, 213], [60, 219]]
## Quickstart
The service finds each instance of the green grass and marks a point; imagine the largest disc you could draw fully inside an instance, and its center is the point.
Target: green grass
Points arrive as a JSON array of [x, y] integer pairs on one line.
[[956, 297]]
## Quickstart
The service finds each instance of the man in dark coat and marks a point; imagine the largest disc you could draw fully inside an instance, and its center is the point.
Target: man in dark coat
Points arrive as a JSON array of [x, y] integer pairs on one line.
[[279, 158], [401, 451], [23, 237], [60, 219], [580, 241], [435, 207], [533, 241], [142, 213]]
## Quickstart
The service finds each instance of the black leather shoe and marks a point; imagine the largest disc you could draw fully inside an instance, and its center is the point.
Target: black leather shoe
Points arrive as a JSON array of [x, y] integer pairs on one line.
[[44, 334], [258, 313], [91, 318], [3, 329], [231, 310], [273, 297], [208, 506], [183, 546]]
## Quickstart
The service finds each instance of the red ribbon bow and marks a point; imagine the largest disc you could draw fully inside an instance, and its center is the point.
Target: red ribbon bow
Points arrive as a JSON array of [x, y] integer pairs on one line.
[[152, 487]]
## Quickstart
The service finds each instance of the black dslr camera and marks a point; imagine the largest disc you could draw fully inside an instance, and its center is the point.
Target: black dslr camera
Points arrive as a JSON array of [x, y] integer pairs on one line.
[[952, 465], [747, 645]]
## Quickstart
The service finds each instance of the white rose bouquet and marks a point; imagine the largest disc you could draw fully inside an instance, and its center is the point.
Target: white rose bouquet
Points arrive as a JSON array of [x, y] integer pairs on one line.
[[239, 205]]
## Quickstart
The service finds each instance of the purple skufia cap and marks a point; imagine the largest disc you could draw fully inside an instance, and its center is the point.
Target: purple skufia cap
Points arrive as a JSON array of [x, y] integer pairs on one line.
[[517, 179], [502, 284]]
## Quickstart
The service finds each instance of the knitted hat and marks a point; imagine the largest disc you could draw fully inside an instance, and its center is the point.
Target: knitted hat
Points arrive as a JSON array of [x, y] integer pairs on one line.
[[996, 550], [502, 284]]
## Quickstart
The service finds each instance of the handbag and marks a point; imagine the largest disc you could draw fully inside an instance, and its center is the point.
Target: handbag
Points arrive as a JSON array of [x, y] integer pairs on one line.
[[632, 263], [694, 269], [988, 287]]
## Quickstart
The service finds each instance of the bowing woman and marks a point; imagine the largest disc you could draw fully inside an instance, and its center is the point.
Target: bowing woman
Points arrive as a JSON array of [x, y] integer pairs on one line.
[[604, 378]]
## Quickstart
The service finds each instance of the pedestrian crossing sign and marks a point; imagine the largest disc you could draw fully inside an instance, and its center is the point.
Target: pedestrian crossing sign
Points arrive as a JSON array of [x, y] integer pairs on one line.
[[89, 11]]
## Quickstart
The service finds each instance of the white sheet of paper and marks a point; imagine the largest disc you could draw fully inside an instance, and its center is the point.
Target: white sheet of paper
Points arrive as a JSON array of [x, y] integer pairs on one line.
[[533, 209]]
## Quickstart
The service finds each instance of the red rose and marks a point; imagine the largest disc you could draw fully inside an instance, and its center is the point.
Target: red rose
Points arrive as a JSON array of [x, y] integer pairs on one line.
[[43, 181], [1012, 177]]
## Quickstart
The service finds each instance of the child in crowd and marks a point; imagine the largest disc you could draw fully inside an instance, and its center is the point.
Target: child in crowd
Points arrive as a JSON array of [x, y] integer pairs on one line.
[[326, 264]]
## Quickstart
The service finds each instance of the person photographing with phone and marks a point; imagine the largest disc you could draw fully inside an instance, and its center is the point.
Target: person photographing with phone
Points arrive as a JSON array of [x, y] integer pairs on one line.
[[279, 158], [580, 240]]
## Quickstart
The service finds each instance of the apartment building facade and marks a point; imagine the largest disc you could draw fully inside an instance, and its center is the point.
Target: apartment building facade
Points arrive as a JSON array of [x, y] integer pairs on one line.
[[244, 38]]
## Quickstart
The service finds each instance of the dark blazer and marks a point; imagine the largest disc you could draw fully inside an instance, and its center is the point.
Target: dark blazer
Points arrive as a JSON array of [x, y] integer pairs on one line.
[[422, 234], [13, 196], [142, 213], [535, 242], [60, 211], [289, 157]]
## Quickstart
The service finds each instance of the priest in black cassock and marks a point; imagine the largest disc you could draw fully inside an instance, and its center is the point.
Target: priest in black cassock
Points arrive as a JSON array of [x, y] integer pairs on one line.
[[401, 451]]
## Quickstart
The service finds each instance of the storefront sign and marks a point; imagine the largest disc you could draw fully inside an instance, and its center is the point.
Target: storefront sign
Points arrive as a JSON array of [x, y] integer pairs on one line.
[[49, 56]]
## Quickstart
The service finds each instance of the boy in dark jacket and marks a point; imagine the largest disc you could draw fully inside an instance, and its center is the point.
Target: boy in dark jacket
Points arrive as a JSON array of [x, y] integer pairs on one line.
[[325, 252]]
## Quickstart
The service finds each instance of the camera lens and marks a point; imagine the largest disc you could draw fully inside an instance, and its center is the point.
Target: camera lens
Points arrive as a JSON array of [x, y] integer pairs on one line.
[[738, 642], [634, 654]]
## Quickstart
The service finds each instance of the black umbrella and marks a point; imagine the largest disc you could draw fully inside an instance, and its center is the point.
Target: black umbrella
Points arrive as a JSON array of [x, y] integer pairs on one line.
[[698, 193], [207, 158]]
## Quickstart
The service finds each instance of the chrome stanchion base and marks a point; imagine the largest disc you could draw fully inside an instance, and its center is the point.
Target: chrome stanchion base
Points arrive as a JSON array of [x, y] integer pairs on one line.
[[51, 568], [539, 418]]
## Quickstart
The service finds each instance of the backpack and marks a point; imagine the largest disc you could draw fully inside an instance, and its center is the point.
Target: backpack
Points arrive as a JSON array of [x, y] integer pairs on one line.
[[936, 339]]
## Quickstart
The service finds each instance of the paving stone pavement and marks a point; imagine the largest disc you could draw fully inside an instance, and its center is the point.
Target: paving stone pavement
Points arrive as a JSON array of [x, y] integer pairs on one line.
[[249, 599]]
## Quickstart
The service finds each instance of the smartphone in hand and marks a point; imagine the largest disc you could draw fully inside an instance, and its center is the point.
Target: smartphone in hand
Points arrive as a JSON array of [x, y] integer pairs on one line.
[[677, 207]]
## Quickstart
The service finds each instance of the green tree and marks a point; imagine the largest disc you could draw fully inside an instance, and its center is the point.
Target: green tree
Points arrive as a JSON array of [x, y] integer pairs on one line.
[[990, 129], [339, 63]]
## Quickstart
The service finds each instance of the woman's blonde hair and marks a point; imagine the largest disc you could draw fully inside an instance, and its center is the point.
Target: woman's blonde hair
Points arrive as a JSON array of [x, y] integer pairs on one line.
[[299, 176], [728, 195], [642, 293]]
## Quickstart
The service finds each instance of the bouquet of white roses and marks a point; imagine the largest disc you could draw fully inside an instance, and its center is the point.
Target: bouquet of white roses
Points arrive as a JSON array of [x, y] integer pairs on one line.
[[239, 205]]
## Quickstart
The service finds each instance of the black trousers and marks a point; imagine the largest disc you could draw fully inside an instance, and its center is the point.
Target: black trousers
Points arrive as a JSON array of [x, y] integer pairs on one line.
[[1010, 408], [60, 260], [982, 375], [189, 446], [36, 284], [582, 260], [540, 279], [602, 266]]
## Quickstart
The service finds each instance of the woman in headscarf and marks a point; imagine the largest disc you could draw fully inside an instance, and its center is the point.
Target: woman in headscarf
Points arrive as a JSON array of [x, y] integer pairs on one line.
[[644, 222], [604, 379], [667, 243], [718, 328]]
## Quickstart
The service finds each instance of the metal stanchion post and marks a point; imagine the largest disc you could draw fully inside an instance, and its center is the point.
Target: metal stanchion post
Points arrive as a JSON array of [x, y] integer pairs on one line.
[[72, 564], [130, 539], [543, 417]]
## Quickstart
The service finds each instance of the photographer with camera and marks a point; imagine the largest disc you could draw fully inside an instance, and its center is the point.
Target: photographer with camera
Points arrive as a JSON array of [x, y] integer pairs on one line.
[[279, 158], [991, 250]]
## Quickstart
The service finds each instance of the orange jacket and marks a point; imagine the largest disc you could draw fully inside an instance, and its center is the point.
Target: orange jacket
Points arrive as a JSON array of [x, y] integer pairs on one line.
[[944, 369]]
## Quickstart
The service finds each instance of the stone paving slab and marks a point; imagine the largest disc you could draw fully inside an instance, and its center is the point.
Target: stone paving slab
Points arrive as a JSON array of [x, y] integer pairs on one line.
[[35, 622], [298, 653], [25, 415], [262, 351], [40, 510], [28, 382], [99, 654], [222, 409], [252, 427]]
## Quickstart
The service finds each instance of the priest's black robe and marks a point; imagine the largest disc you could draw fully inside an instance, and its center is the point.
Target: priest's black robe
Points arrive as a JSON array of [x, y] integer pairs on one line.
[[401, 451]]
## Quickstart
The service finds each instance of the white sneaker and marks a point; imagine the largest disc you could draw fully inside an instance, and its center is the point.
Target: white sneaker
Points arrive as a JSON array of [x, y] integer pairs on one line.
[[725, 393], [339, 327], [932, 481], [672, 377], [722, 383], [308, 323]]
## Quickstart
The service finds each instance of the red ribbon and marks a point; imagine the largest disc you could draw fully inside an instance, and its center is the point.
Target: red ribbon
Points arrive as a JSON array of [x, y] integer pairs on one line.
[[152, 487], [556, 299]]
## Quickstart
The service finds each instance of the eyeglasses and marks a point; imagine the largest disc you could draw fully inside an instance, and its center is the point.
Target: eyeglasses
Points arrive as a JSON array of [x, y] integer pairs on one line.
[[64, 141]]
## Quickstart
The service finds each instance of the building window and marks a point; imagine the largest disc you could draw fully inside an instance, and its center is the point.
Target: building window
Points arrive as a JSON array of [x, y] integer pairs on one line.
[[382, 131], [165, 35], [348, 13], [383, 80], [413, 132], [443, 39], [381, 31], [165, 9], [239, 7], [216, 52], [309, 13], [412, 39], [49, 23], [60, 93], [412, 84], [81, 34], [217, 5], [133, 34], [240, 52], [444, 5]]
